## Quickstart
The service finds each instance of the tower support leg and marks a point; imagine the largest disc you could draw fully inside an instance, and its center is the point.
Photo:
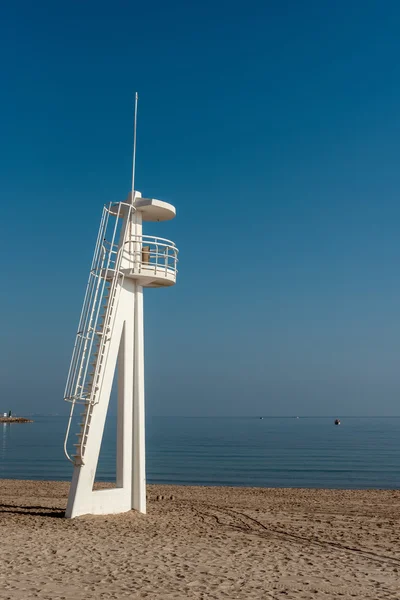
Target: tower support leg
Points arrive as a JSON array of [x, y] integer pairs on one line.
[[138, 448], [126, 344]]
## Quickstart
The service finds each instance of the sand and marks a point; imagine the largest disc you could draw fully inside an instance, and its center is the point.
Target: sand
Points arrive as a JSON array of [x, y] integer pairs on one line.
[[200, 542]]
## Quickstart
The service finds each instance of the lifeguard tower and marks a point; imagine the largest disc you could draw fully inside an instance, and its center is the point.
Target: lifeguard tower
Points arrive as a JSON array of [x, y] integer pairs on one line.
[[110, 333]]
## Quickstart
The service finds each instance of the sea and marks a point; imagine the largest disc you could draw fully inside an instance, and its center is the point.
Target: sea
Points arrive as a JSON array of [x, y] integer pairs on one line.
[[307, 452]]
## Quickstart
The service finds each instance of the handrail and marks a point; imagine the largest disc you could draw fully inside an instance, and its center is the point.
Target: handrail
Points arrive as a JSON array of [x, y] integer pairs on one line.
[[90, 314], [162, 246], [169, 242], [85, 306], [106, 325]]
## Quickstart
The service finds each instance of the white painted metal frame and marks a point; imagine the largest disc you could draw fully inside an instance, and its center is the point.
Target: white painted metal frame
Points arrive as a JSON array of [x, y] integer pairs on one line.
[[111, 330]]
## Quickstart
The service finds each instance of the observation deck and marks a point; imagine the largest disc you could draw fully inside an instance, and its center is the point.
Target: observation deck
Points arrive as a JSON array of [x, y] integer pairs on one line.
[[151, 261]]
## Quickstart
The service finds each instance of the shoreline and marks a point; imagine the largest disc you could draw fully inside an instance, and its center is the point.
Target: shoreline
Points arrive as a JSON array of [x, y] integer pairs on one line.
[[234, 487], [202, 542]]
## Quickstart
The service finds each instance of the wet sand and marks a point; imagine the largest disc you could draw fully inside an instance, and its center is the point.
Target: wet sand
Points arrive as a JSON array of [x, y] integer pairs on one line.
[[202, 542]]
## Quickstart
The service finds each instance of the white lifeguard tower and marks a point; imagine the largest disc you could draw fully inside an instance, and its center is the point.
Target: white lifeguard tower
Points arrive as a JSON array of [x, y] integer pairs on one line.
[[110, 333]]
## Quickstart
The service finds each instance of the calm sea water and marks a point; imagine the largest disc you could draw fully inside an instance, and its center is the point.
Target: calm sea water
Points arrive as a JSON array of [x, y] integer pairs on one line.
[[273, 452]]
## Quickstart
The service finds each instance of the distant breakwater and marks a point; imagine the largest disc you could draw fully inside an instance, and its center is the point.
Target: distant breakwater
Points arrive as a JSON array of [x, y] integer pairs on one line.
[[15, 420]]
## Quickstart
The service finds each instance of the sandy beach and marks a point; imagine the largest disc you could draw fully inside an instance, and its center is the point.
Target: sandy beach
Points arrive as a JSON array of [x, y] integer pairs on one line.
[[199, 542]]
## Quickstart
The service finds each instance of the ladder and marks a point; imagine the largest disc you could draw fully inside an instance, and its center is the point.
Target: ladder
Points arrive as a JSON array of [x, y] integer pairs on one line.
[[90, 352]]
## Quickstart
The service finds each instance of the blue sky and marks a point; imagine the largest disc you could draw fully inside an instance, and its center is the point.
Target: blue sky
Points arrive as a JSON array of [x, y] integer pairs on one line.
[[274, 127]]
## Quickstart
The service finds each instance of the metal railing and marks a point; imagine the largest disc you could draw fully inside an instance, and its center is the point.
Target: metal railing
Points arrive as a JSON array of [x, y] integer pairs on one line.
[[151, 255]]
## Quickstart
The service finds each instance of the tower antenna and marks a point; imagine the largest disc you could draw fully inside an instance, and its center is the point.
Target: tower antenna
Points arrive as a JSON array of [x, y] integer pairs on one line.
[[134, 144]]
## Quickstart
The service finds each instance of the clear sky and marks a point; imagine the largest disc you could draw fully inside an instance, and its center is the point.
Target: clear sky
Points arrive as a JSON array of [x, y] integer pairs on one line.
[[274, 128]]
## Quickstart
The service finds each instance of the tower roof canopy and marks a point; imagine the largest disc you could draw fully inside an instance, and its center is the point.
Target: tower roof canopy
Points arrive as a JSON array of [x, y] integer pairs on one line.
[[154, 210]]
